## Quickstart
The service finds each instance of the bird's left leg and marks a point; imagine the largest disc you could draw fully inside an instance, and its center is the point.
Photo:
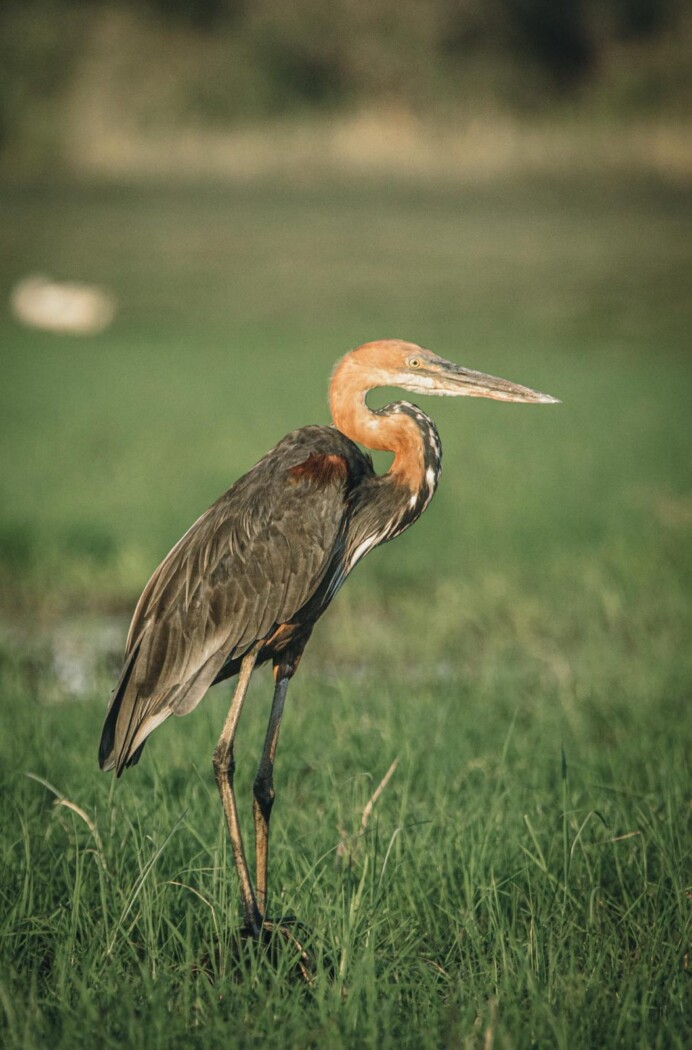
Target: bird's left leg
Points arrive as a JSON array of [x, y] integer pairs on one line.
[[287, 927], [264, 783]]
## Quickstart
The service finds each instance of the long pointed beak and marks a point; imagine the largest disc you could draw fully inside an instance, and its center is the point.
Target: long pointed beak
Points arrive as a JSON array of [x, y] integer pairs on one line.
[[455, 381]]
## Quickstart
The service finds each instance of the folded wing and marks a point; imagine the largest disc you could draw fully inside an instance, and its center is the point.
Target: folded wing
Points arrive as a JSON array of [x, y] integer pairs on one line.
[[247, 565]]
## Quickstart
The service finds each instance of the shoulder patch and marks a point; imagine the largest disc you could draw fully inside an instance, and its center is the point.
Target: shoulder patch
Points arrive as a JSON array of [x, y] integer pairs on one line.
[[320, 469]]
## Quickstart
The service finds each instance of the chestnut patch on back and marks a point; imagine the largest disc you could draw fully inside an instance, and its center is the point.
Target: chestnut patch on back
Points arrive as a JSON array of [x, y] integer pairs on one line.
[[320, 469]]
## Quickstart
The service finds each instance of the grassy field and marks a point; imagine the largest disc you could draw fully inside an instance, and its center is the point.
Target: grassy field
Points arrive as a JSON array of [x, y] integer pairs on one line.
[[523, 652]]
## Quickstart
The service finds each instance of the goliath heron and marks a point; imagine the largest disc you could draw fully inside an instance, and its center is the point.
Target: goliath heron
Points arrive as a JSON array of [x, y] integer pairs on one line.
[[247, 583]]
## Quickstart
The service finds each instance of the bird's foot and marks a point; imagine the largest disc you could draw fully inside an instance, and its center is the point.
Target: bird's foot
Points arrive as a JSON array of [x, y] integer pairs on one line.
[[291, 932], [274, 937]]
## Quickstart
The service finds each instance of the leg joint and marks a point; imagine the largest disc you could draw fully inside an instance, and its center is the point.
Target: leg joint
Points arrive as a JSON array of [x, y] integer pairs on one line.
[[223, 762], [263, 790]]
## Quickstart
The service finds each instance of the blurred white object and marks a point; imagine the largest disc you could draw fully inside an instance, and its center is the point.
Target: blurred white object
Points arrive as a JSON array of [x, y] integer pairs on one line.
[[62, 306]]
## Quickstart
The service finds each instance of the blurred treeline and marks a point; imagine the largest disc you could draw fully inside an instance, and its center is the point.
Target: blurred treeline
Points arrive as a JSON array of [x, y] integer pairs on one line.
[[222, 63]]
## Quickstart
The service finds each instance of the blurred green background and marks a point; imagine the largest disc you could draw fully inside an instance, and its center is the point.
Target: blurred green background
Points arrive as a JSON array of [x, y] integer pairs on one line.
[[261, 187], [234, 301]]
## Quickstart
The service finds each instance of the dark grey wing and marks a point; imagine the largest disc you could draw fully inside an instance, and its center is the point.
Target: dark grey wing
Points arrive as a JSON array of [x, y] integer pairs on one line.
[[247, 565]]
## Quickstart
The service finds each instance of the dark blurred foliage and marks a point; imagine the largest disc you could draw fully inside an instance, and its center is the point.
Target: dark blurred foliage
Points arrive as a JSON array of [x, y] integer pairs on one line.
[[225, 61], [564, 36], [310, 44]]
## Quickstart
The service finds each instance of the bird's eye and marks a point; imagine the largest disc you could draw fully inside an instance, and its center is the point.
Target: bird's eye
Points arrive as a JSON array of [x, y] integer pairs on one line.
[[414, 362]]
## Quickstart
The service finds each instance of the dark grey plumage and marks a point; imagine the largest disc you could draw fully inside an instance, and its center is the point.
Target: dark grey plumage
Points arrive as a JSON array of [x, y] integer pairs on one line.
[[260, 565]]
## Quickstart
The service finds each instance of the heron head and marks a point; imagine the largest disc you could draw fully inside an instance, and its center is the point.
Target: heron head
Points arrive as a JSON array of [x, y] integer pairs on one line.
[[393, 362]]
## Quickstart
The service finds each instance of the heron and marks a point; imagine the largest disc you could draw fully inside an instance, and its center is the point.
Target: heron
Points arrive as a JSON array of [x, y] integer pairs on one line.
[[248, 581]]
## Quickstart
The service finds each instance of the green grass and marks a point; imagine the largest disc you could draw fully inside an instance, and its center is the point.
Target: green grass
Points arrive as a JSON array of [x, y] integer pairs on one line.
[[523, 652]]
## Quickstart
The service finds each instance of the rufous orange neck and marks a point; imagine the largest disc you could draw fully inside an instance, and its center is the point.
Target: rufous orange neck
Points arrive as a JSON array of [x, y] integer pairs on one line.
[[393, 432]]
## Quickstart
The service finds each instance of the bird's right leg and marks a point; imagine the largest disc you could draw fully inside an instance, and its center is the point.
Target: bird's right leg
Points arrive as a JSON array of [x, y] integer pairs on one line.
[[224, 768]]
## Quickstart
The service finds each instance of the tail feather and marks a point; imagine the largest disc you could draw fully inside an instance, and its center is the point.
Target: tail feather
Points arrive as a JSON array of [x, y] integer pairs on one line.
[[118, 729], [133, 715]]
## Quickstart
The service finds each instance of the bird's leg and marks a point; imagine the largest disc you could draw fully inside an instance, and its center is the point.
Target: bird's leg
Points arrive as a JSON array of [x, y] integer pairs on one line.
[[264, 785], [224, 768]]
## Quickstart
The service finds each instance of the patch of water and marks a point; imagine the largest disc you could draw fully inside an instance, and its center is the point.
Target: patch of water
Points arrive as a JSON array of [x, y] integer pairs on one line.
[[73, 659]]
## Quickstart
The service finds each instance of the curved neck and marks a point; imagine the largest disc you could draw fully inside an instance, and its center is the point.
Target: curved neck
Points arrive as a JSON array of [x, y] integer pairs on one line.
[[396, 432]]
